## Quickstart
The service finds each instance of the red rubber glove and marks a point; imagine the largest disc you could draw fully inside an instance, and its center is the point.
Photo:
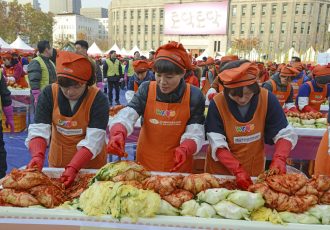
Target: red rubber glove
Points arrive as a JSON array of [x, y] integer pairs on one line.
[[308, 108], [211, 96], [285, 110], [37, 147], [282, 151], [8, 111], [243, 179], [188, 147], [79, 160], [117, 138], [294, 109]]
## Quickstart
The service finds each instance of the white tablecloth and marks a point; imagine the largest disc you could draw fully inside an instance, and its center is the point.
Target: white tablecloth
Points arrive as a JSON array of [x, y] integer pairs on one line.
[[308, 132]]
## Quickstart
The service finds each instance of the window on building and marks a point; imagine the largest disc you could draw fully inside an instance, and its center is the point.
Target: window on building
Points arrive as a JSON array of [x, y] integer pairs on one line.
[[262, 28], [153, 13], [146, 14], [131, 29], [252, 28], [318, 28], [145, 29], [311, 8], [302, 27], [161, 13], [139, 14], [281, 45], [293, 44], [145, 44], [161, 29], [153, 44], [272, 27], [234, 11], [304, 9], [283, 27], [309, 28], [285, 8], [263, 10], [253, 10], [138, 43], [242, 28], [153, 29], [274, 9], [125, 14], [117, 29], [131, 44], [297, 8], [271, 45], [295, 27], [124, 43], [132, 14], [243, 10], [139, 29], [233, 26]]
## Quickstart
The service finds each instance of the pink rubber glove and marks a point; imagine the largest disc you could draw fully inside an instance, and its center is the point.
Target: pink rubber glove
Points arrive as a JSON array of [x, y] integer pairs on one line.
[[79, 160], [100, 85], [188, 147], [117, 138], [282, 151], [36, 93], [37, 147], [243, 179], [8, 111], [211, 96]]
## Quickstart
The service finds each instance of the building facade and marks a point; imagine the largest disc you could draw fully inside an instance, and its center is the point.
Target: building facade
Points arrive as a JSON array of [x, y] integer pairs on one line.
[[276, 25], [65, 6], [35, 4], [96, 12]]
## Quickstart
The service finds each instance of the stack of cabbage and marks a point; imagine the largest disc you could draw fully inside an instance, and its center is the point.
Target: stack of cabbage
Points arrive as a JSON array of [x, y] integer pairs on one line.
[[299, 122], [217, 202]]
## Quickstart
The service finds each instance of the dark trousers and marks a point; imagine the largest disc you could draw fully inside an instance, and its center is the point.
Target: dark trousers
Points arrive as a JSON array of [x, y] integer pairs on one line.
[[3, 155], [111, 85]]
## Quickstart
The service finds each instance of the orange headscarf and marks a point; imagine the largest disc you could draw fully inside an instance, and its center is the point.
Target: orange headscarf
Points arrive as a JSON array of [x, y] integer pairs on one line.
[[209, 61], [229, 58], [244, 75], [321, 70], [289, 71], [141, 66]]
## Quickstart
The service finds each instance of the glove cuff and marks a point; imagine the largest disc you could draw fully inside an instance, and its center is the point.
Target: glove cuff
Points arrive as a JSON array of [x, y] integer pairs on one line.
[[37, 147], [80, 159], [118, 129]]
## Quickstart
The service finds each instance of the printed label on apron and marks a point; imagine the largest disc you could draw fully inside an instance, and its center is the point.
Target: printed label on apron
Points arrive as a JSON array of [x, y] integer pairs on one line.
[[165, 123], [247, 139], [69, 132]]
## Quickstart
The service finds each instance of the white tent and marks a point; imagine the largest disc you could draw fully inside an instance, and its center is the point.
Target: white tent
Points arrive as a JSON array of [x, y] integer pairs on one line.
[[20, 45], [292, 53], [4, 45], [123, 52], [253, 55], [328, 51], [135, 48], [115, 48], [309, 55], [200, 57], [94, 50]]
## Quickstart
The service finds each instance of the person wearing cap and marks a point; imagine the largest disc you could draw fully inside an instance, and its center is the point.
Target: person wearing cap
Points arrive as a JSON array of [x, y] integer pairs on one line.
[[172, 111], [13, 70], [113, 72], [71, 117], [41, 70], [216, 86], [263, 73], [313, 93], [280, 86], [7, 109], [238, 123], [190, 76], [301, 77], [210, 75]]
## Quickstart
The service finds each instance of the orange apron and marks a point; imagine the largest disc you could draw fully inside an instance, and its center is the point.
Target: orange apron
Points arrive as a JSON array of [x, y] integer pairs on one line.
[[245, 140], [207, 84], [220, 88], [164, 124], [21, 80], [281, 96], [67, 132], [136, 87], [317, 98], [295, 86], [322, 160]]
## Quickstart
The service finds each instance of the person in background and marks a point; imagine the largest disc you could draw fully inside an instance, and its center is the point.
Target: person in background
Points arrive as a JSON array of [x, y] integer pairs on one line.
[[112, 70], [263, 73], [7, 109], [98, 73], [280, 86], [136, 55], [54, 55], [13, 70], [173, 115], [301, 77], [129, 71], [313, 93], [41, 70], [72, 116], [190, 76], [240, 121], [151, 56]]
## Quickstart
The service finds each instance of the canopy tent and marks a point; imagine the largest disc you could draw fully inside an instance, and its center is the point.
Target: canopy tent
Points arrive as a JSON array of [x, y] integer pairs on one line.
[[69, 47], [135, 48], [123, 52], [253, 55], [309, 55], [200, 57], [115, 48], [4, 45], [328, 51], [20, 45], [292, 53], [94, 50]]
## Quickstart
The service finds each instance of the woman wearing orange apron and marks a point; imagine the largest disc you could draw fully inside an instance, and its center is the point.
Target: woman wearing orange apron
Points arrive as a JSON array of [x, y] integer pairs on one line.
[[312, 94], [280, 86], [238, 123], [172, 112], [13, 71], [74, 115], [322, 161]]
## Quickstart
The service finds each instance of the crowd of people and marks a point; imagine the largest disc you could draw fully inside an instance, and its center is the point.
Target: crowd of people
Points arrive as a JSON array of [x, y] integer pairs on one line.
[[246, 100]]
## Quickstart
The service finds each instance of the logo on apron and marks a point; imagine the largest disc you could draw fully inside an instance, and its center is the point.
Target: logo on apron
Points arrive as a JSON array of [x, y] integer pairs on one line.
[[67, 124], [245, 129], [165, 113]]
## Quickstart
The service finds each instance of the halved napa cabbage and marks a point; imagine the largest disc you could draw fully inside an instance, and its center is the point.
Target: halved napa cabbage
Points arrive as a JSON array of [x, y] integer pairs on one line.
[[230, 210], [250, 201], [214, 195]]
